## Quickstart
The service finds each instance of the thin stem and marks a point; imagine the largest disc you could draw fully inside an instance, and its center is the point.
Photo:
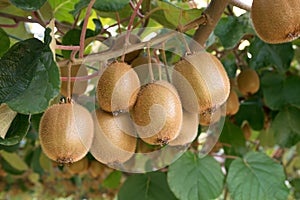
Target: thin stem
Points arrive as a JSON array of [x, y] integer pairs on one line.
[[63, 47], [138, 12], [69, 81], [17, 18], [158, 63], [118, 22], [76, 20], [149, 63], [164, 57], [84, 27], [81, 78], [147, 16], [10, 25], [131, 20]]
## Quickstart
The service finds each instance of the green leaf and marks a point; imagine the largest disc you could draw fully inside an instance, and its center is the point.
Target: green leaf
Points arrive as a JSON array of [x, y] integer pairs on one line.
[[296, 187], [101, 5], [256, 176], [113, 180], [233, 135], [34, 76], [229, 63], [14, 160], [28, 5], [263, 55], [150, 186], [17, 130], [61, 9], [191, 177], [280, 91], [231, 29], [286, 127], [4, 42], [176, 15], [251, 111]]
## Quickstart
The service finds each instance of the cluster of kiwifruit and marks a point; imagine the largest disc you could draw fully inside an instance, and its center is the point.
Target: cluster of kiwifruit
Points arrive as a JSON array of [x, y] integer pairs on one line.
[[159, 112], [276, 21], [246, 83]]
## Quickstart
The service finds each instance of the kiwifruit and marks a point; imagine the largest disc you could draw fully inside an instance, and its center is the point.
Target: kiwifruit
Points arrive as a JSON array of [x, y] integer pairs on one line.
[[232, 103], [188, 131], [247, 130], [96, 168], [117, 87], [210, 117], [66, 132], [157, 113], [248, 81], [79, 167], [119, 43], [78, 87], [114, 141], [201, 81], [276, 21]]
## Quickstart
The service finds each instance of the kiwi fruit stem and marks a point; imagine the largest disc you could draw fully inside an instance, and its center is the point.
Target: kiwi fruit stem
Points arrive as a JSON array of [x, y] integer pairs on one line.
[[69, 81], [149, 63], [164, 57]]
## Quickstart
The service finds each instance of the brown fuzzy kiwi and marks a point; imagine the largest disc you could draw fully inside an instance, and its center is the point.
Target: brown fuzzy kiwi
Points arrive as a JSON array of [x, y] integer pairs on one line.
[[114, 142], [247, 130], [276, 21], [201, 81], [79, 167], [117, 87], [189, 129], [232, 103], [96, 168], [66, 132], [119, 43], [210, 117], [248, 81], [78, 87], [157, 113]]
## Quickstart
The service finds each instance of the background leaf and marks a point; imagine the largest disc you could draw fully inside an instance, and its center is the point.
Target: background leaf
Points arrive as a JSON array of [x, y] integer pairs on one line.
[[28, 5], [150, 186], [34, 76], [17, 130], [191, 177], [256, 176], [231, 29], [286, 127], [14, 160], [61, 9], [263, 55], [4, 42], [280, 91]]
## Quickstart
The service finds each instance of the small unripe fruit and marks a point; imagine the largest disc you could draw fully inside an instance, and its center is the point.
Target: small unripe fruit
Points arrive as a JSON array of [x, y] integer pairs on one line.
[[248, 82], [201, 81], [117, 87], [96, 168], [157, 113], [114, 142], [79, 167], [276, 21], [66, 132], [232, 103], [78, 87]]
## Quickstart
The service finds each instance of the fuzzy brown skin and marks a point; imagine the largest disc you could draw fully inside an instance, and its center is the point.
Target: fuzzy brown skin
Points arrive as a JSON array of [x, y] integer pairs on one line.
[[114, 142], [276, 21], [78, 87], [117, 87], [248, 82], [157, 113], [232, 103], [201, 81], [66, 132]]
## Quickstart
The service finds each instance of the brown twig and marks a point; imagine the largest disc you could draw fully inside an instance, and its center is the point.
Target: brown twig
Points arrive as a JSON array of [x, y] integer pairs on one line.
[[240, 4], [213, 14]]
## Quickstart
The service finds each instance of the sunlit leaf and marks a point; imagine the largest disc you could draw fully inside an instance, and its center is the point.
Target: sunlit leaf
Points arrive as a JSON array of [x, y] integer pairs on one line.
[[6, 117]]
